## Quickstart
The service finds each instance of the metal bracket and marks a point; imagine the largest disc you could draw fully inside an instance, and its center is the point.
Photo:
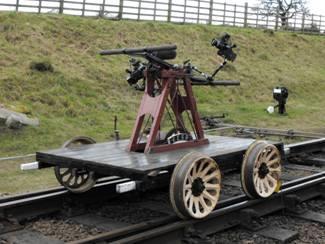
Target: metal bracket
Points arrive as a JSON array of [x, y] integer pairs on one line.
[[194, 236], [8, 225], [292, 204], [322, 190], [250, 219]]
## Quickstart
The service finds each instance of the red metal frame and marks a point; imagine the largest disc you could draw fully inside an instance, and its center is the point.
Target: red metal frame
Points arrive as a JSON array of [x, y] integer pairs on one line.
[[155, 106]]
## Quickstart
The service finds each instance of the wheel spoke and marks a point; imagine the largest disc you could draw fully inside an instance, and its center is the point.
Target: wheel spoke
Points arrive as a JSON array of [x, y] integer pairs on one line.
[[66, 172], [196, 205], [207, 178], [266, 184], [72, 179], [263, 155], [277, 169], [270, 155], [206, 170], [203, 203], [194, 172], [69, 179], [209, 186], [262, 186], [191, 203], [207, 195], [256, 178], [258, 185], [84, 177], [273, 161], [270, 178], [190, 179], [75, 183], [188, 186], [202, 163], [188, 195], [79, 180]]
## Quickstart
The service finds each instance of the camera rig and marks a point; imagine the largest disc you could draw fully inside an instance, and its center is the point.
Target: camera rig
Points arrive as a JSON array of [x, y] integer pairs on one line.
[[136, 77], [168, 95]]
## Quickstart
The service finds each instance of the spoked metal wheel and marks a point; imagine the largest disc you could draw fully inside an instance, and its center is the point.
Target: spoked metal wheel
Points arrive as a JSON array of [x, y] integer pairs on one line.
[[195, 186], [261, 170], [74, 179]]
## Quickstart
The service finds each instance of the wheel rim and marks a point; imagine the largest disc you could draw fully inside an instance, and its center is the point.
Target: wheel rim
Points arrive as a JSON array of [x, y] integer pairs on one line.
[[267, 170], [201, 187], [261, 170], [74, 179], [195, 186]]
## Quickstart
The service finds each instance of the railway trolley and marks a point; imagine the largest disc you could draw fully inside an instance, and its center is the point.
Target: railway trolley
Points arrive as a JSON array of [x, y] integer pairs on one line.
[[168, 140]]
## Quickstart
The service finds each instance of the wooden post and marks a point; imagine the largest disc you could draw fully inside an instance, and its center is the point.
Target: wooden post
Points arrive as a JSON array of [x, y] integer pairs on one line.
[[303, 23], [17, 5], [39, 6], [120, 10], [277, 19], [320, 24], [61, 7], [245, 15], [184, 14], [257, 15], [83, 7], [210, 12], [139, 9], [198, 12], [235, 13], [102, 9], [224, 13], [169, 10], [155, 11]]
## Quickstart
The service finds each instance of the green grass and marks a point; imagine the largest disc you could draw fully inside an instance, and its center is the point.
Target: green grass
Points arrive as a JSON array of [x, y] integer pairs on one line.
[[85, 91], [13, 180]]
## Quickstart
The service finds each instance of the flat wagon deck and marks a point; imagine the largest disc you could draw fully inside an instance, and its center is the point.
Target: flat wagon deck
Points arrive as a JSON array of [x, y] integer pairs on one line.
[[112, 158]]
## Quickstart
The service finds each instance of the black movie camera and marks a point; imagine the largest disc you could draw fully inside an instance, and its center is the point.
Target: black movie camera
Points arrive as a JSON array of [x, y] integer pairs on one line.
[[280, 94], [136, 73], [225, 46]]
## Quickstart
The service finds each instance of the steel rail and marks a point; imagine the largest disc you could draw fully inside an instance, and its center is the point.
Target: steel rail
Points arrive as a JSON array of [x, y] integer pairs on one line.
[[226, 215], [36, 203], [269, 131], [18, 157]]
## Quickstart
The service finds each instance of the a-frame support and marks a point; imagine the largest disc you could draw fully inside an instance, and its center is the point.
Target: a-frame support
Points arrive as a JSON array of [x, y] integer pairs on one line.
[[156, 105]]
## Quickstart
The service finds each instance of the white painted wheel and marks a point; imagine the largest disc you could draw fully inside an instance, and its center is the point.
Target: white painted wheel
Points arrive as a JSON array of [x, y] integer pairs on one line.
[[195, 186], [76, 180], [261, 170]]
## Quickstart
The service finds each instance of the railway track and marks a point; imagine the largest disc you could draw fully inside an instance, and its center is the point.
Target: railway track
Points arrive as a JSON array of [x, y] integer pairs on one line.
[[99, 216], [224, 217]]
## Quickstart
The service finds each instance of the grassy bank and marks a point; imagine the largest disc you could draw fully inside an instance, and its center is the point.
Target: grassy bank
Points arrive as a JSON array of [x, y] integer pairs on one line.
[[85, 91]]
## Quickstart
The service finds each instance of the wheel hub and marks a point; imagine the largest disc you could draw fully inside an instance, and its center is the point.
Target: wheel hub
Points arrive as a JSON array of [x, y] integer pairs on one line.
[[263, 170], [198, 187]]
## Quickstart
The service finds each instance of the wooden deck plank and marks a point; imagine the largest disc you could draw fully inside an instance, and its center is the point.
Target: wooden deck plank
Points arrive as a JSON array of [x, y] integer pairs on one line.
[[114, 154]]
